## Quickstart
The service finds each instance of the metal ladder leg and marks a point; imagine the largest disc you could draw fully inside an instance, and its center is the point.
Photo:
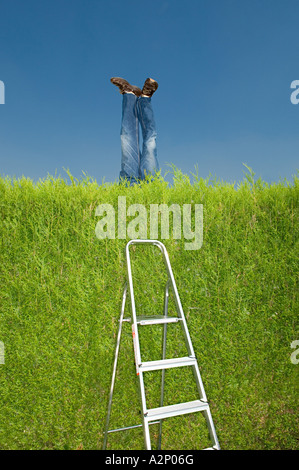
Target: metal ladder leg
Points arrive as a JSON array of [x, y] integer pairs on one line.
[[166, 297], [136, 344], [212, 430], [115, 365]]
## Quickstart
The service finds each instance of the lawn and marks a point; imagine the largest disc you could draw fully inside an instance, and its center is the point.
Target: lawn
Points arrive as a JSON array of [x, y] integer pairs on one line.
[[60, 300]]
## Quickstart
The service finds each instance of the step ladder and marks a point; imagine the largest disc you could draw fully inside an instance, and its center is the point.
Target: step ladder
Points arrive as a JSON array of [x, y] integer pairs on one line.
[[157, 415]]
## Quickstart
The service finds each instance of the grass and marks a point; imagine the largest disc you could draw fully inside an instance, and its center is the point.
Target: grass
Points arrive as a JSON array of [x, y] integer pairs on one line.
[[60, 294]]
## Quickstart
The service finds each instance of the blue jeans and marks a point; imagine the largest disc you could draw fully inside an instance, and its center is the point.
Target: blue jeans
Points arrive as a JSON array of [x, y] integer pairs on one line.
[[135, 165]]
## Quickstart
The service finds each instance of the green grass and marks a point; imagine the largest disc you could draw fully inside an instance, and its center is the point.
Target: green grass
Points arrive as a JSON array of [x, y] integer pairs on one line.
[[60, 298]]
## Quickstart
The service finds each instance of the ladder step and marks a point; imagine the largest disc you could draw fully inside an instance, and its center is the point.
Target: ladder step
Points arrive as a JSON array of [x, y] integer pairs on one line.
[[156, 319], [167, 363], [175, 410]]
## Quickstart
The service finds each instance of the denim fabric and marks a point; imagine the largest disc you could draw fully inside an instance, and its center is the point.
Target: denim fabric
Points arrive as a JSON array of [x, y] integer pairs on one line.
[[134, 163]]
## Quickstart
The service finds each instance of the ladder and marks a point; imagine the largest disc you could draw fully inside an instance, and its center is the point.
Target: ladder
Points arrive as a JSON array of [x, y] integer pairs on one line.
[[157, 415]]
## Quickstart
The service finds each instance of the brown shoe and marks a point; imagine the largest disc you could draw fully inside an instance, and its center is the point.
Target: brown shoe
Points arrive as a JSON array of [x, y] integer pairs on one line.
[[149, 87], [125, 87]]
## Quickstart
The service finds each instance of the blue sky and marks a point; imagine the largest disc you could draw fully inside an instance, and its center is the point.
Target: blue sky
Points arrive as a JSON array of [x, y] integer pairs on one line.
[[224, 69]]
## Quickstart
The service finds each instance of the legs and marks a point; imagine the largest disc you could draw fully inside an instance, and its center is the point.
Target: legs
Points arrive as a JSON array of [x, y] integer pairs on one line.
[[129, 137], [137, 109], [148, 161]]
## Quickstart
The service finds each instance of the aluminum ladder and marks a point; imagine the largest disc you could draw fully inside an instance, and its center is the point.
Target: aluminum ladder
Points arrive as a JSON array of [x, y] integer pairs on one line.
[[156, 415]]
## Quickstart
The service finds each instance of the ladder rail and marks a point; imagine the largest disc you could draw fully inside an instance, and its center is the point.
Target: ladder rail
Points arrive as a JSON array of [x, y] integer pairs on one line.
[[166, 298], [146, 432], [172, 284], [115, 366], [178, 304]]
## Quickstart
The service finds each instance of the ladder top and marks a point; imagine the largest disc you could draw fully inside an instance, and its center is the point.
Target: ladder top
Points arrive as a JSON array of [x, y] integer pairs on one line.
[[138, 241]]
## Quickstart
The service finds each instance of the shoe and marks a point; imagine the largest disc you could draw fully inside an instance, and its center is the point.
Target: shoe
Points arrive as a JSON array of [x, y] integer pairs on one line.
[[149, 87], [125, 87]]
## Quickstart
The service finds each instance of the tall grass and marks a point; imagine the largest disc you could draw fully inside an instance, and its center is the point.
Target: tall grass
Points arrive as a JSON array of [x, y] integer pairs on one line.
[[60, 295]]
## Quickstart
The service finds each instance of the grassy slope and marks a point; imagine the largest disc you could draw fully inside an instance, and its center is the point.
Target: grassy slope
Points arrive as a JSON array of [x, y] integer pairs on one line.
[[60, 296]]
